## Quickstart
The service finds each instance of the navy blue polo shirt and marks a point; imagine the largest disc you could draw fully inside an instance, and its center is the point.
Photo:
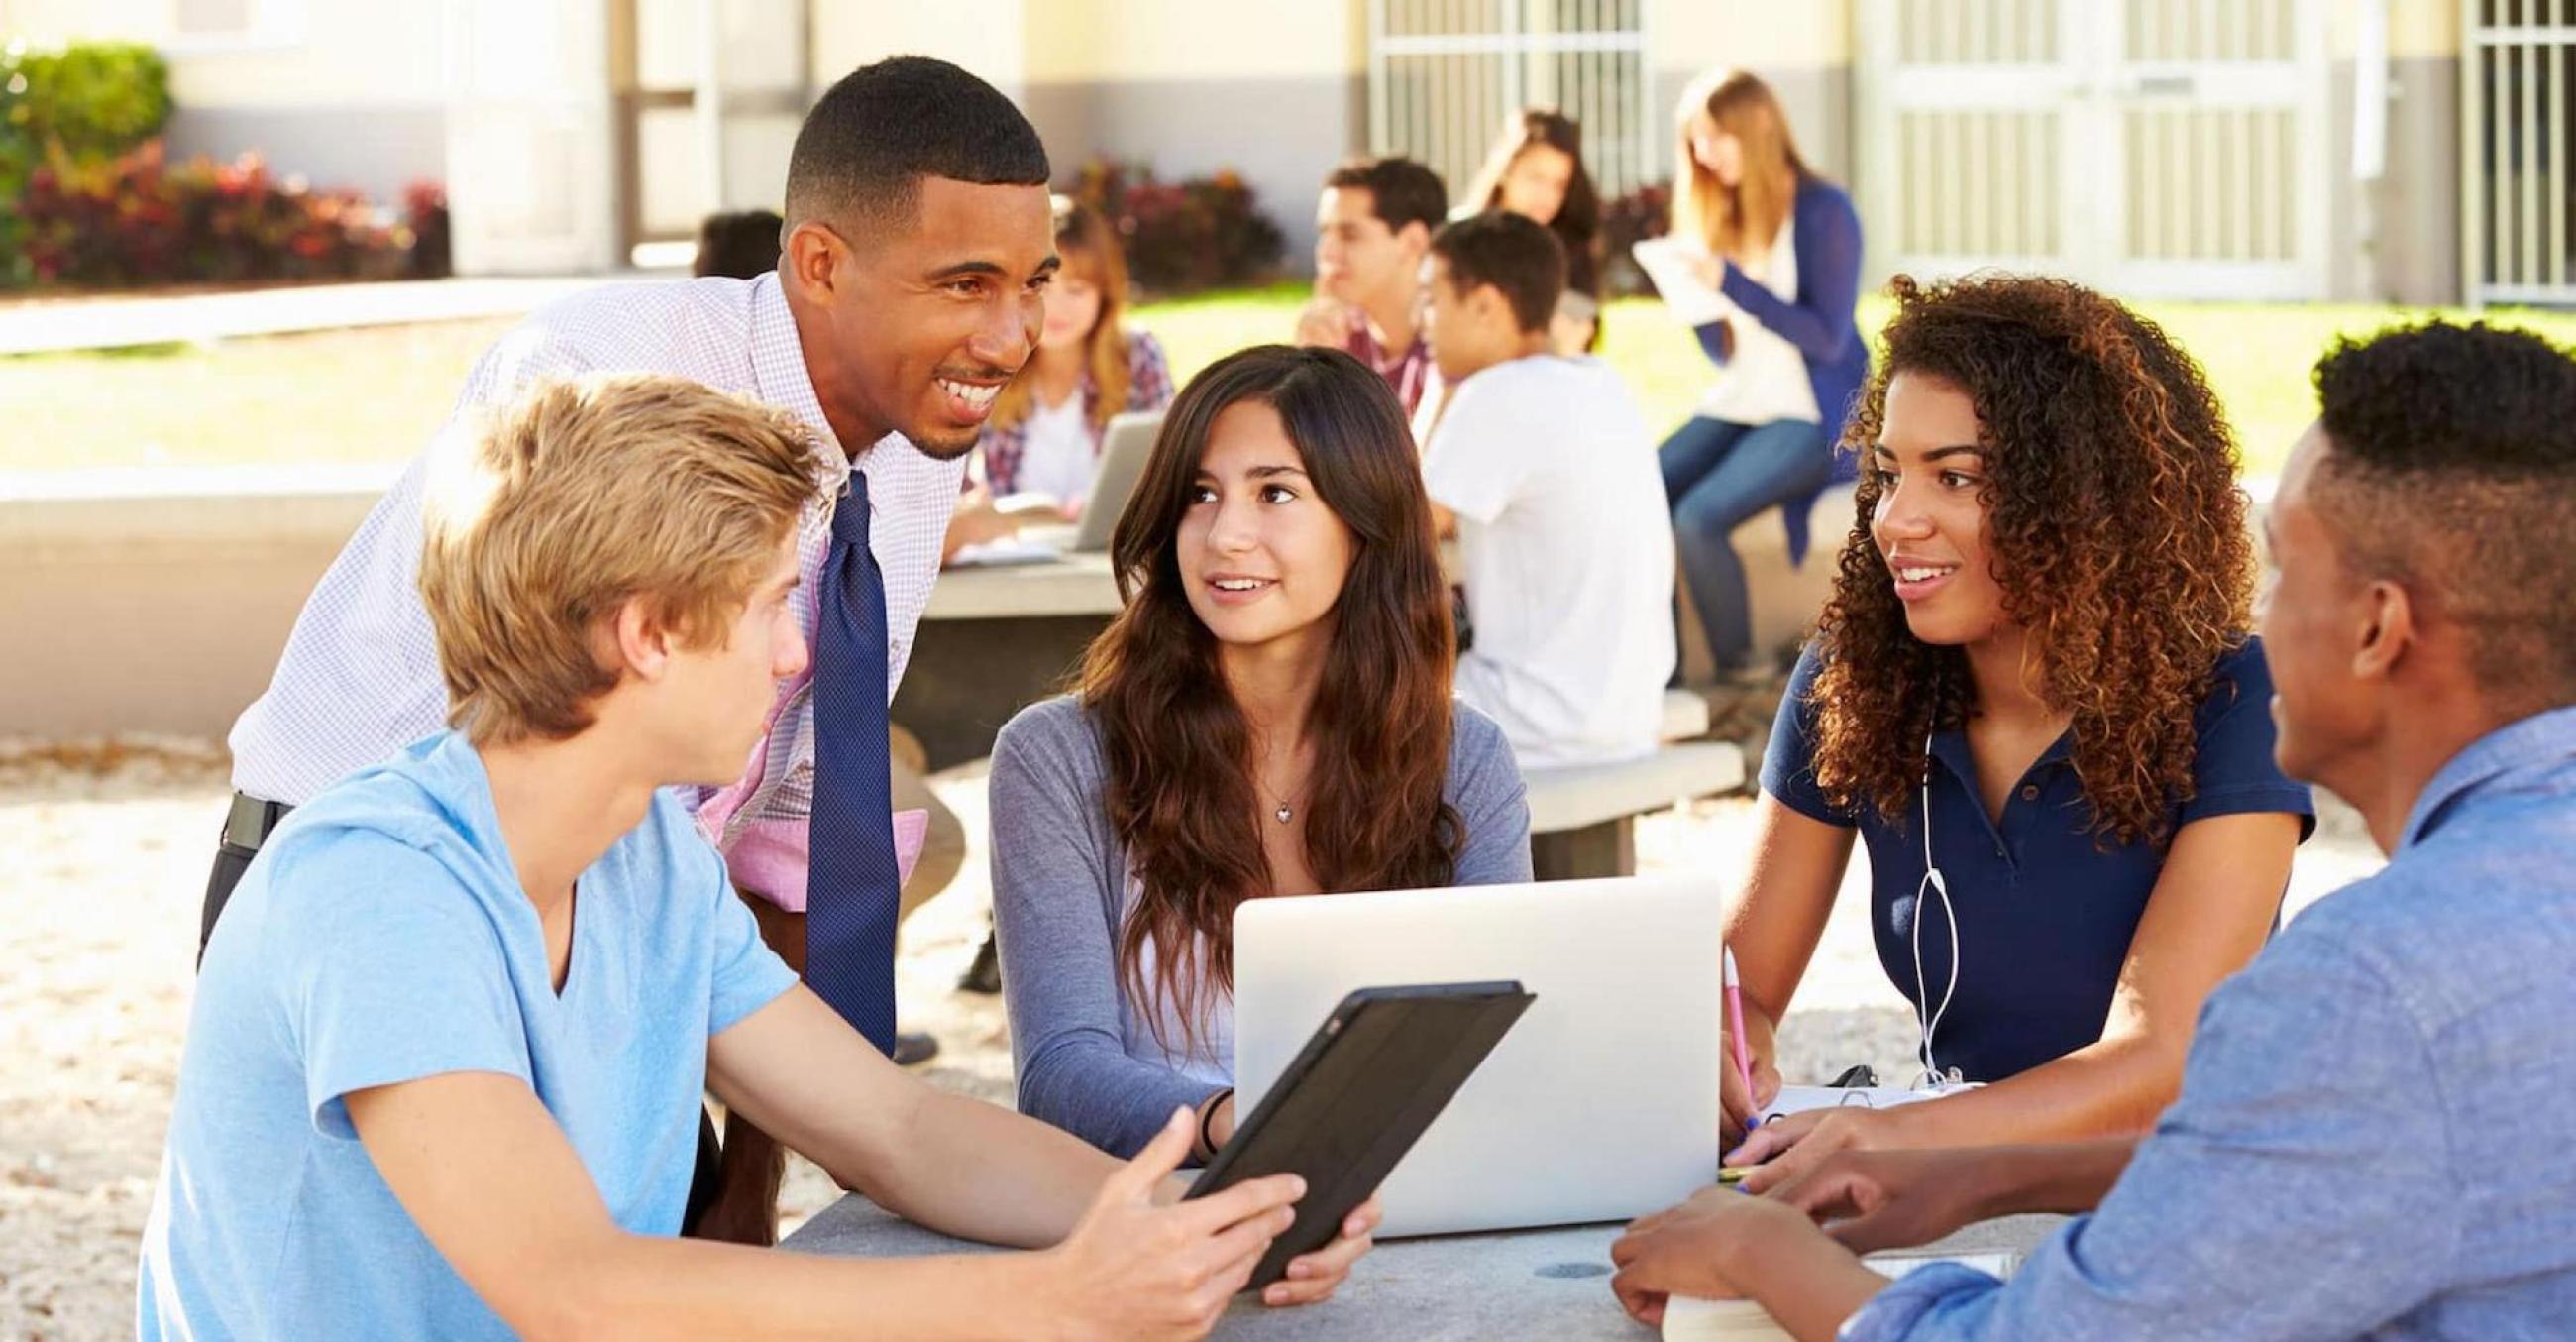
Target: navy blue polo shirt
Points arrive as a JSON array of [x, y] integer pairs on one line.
[[2045, 909]]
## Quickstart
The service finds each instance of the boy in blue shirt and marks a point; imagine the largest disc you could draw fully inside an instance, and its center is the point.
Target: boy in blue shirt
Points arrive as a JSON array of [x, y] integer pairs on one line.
[[442, 1071], [2371, 1136]]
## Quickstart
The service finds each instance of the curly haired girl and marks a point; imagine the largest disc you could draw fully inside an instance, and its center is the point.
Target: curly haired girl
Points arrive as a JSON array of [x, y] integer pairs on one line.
[[2035, 697]]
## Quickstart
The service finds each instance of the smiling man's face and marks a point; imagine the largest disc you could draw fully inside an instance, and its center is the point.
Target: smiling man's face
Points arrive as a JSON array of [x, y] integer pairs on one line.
[[921, 323]]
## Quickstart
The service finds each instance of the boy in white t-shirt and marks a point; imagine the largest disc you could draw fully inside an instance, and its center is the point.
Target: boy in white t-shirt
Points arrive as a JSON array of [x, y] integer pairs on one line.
[[1550, 475]]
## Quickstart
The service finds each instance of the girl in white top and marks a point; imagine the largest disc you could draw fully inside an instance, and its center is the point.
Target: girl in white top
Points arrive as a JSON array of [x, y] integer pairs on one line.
[[1043, 439], [1783, 247]]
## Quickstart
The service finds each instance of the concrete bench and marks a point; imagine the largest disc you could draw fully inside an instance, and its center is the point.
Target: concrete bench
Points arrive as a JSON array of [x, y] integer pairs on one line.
[[1583, 818], [157, 599]]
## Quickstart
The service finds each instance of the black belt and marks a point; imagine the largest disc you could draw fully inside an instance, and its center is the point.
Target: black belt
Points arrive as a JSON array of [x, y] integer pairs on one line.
[[251, 820]]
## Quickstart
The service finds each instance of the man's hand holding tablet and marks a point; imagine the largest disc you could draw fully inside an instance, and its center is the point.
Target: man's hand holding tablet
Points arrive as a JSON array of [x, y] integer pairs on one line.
[[1154, 1266]]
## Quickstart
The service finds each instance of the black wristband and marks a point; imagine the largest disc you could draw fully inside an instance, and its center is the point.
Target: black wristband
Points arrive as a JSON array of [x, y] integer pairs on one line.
[[1207, 1115]]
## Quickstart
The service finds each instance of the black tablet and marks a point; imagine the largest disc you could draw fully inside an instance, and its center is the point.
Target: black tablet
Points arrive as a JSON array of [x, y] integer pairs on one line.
[[1356, 1098]]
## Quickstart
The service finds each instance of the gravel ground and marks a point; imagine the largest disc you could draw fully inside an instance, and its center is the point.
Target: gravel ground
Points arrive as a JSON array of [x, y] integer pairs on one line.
[[103, 853]]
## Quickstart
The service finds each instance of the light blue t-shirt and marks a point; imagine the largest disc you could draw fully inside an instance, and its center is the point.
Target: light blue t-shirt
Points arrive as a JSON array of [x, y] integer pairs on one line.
[[382, 937]]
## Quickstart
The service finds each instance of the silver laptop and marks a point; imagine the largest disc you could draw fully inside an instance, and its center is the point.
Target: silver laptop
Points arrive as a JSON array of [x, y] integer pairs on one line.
[[1600, 1105], [1125, 446]]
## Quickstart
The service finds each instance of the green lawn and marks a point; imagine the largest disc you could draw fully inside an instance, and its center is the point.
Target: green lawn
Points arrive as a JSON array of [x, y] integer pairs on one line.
[[376, 395]]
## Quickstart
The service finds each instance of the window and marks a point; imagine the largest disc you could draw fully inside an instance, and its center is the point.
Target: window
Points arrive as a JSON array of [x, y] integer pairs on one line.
[[1445, 77]]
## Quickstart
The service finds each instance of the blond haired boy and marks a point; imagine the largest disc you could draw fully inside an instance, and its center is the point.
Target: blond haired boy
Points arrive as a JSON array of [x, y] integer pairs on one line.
[[442, 1074]]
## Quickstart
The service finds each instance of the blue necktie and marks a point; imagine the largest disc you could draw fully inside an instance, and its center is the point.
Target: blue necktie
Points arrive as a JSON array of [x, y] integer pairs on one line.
[[852, 886]]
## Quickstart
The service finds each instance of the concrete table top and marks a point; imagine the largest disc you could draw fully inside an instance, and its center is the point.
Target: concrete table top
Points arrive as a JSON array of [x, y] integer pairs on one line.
[[1075, 584], [1529, 1283]]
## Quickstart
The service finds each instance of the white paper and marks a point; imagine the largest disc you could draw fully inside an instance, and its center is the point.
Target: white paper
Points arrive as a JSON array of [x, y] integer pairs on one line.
[[1689, 1319], [1673, 264]]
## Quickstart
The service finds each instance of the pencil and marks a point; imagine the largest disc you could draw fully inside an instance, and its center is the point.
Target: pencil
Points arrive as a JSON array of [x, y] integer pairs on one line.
[[1735, 1033]]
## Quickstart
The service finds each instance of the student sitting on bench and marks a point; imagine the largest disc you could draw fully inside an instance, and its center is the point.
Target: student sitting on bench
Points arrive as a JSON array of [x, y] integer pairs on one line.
[[1544, 465]]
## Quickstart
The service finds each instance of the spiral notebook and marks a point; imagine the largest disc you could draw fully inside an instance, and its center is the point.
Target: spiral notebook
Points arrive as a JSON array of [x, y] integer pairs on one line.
[[1799, 1099]]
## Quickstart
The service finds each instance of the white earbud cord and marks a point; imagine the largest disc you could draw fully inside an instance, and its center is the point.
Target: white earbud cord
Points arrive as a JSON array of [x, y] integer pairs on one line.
[[1930, 1019]]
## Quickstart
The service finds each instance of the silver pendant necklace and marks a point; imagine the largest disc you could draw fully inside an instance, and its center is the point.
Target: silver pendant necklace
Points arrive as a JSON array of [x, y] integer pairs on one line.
[[1285, 813]]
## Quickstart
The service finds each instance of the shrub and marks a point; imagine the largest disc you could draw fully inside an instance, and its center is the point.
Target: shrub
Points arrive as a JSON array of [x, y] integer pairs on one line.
[[138, 220], [1646, 212], [91, 98], [76, 107], [1182, 237]]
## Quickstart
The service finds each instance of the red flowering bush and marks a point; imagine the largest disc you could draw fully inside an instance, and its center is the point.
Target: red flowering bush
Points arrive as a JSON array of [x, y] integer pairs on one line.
[[140, 220], [1180, 237]]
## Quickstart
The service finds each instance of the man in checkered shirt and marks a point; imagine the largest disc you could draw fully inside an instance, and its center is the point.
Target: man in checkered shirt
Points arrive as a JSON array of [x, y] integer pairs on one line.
[[910, 288]]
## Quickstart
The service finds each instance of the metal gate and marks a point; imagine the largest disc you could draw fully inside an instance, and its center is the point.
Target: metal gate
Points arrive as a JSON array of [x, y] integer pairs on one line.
[[2517, 58], [2155, 148], [1445, 75]]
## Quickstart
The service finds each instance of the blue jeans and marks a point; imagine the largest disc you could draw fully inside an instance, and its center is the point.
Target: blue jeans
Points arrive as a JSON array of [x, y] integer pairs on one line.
[[1716, 475]]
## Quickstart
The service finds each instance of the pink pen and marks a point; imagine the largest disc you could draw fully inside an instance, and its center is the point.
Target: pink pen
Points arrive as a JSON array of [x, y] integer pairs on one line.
[[1735, 1036]]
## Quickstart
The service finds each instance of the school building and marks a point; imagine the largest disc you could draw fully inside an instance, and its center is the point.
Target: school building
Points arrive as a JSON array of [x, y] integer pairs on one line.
[[2404, 150]]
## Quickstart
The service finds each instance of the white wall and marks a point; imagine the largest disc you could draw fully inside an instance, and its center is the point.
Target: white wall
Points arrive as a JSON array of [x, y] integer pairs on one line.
[[1189, 86], [989, 37], [347, 93], [316, 54]]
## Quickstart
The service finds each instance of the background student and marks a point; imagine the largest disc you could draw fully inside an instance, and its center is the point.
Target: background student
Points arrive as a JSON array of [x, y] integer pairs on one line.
[[2035, 676], [2428, 675], [443, 1065], [1535, 170], [1373, 223], [1269, 715], [738, 244], [1784, 247], [1089, 366], [1044, 436], [1546, 467]]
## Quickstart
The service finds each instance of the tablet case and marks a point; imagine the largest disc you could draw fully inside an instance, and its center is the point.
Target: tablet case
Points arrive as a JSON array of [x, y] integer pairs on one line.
[[1356, 1098]]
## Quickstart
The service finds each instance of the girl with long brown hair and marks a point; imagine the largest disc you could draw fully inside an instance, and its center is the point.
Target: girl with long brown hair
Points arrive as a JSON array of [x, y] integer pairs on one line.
[[2035, 696], [1269, 715], [1782, 246], [1535, 170]]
